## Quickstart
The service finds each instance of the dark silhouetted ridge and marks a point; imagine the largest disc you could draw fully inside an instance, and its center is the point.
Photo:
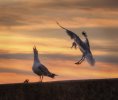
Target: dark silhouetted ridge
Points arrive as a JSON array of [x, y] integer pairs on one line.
[[101, 89]]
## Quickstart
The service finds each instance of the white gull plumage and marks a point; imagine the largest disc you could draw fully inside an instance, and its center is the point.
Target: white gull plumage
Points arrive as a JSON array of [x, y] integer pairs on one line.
[[83, 45], [39, 68]]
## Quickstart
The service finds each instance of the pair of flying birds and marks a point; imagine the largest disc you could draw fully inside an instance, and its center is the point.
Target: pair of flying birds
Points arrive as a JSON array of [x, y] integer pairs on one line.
[[84, 47]]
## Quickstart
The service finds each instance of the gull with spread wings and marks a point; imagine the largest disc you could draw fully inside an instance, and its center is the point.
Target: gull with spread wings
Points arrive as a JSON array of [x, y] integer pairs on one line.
[[83, 46]]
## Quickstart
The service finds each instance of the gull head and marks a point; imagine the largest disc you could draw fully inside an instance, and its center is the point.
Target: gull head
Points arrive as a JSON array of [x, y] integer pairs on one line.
[[84, 34], [35, 50]]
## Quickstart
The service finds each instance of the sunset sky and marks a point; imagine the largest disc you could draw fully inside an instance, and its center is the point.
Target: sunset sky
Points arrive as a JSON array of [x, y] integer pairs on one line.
[[25, 23]]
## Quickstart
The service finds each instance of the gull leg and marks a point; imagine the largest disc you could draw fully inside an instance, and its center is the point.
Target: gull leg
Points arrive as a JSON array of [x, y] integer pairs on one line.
[[42, 78], [74, 45], [81, 60]]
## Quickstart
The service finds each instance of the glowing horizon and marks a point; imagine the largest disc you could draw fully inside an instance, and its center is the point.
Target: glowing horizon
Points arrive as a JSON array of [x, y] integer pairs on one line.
[[26, 23]]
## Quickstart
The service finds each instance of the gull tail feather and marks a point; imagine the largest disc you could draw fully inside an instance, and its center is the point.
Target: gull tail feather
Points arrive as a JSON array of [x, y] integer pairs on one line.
[[90, 59], [52, 75]]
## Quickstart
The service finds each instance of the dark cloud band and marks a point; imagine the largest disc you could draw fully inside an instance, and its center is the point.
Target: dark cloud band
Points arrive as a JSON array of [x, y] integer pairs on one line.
[[100, 58], [16, 71]]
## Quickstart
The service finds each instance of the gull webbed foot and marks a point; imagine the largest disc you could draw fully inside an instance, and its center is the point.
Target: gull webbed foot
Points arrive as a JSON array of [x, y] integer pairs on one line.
[[78, 62]]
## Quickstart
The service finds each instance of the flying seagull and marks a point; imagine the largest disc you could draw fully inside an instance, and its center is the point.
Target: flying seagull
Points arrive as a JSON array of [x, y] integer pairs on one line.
[[83, 46], [39, 68]]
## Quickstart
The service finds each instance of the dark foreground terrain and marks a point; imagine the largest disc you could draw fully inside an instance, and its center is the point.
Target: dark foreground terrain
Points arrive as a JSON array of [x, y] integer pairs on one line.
[[104, 89]]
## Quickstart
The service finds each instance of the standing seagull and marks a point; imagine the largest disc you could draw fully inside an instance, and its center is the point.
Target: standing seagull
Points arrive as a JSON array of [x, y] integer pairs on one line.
[[83, 45], [39, 68]]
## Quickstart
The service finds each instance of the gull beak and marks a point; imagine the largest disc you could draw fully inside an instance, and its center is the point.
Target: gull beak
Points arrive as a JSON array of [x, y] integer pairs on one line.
[[34, 47]]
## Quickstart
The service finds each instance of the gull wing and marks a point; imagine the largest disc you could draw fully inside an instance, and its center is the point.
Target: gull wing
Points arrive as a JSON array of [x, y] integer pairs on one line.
[[70, 33], [44, 70]]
